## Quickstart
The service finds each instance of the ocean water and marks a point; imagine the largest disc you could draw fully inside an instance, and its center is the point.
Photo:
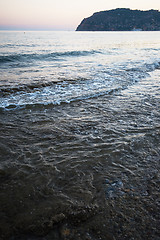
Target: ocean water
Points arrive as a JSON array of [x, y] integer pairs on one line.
[[79, 135]]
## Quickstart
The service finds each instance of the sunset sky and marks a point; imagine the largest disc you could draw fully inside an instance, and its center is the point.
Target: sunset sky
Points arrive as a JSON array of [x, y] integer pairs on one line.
[[59, 14]]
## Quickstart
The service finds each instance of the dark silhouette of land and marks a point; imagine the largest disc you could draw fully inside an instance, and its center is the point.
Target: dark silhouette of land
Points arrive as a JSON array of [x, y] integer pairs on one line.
[[122, 19]]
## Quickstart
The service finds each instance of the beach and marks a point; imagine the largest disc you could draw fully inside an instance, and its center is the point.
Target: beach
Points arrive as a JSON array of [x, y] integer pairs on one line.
[[80, 134]]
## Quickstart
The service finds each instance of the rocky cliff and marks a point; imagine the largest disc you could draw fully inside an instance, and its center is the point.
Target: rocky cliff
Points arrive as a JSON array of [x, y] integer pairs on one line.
[[122, 19]]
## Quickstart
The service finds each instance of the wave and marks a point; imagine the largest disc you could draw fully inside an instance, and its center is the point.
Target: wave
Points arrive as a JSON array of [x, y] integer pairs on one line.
[[152, 66], [52, 93], [4, 91], [11, 45], [34, 86], [66, 91], [135, 72], [43, 57], [48, 104], [147, 67]]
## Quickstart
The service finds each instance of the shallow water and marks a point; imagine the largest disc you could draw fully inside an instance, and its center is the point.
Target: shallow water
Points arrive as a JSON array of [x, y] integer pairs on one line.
[[80, 135]]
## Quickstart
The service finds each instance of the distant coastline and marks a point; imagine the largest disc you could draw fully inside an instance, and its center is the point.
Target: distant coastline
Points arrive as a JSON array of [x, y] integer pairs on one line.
[[122, 19]]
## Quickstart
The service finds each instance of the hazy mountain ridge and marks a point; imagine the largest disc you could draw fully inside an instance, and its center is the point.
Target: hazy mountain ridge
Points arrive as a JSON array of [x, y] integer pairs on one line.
[[122, 19]]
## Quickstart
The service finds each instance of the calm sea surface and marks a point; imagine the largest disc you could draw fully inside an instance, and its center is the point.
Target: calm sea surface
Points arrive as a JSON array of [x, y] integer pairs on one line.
[[79, 135]]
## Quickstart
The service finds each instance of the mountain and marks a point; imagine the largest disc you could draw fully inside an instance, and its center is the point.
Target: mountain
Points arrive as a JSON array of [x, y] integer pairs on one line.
[[122, 19]]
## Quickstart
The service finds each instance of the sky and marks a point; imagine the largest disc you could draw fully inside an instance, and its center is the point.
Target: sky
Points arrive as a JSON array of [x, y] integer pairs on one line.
[[59, 14]]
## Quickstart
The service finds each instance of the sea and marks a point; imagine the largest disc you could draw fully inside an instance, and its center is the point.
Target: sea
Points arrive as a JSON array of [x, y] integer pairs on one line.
[[79, 135]]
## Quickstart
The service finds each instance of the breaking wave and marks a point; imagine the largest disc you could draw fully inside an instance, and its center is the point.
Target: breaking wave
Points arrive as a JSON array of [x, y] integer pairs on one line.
[[66, 91], [43, 57]]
